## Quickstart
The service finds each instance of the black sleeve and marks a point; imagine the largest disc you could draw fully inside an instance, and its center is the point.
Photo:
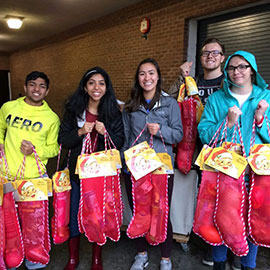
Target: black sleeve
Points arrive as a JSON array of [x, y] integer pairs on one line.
[[68, 134], [116, 132]]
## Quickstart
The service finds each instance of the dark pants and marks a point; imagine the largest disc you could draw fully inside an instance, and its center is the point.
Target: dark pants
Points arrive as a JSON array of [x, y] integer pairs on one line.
[[74, 208], [141, 242]]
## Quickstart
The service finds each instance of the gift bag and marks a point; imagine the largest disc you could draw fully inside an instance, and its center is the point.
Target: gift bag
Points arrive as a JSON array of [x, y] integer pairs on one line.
[[230, 213], [142, 199], [160, 205], [150, 197], [189, 108], [100, 210], [12, 249], [203, 224], [231, 204], [2, 226], [61, 204], [33, 213], [259, 209], [259, 195], [159, 210]]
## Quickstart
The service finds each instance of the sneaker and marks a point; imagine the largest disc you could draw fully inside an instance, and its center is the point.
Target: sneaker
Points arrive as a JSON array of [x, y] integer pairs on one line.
[[208, 257], [141, 262], [236, 263], [185, 247], [165, 265]]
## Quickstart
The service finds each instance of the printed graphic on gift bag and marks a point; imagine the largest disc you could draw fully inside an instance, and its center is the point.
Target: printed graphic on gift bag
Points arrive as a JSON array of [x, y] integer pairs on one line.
[[227, 162], [95, 165], [202, 157], [141, 160], [166, 167], [29, 191], [61, 181]]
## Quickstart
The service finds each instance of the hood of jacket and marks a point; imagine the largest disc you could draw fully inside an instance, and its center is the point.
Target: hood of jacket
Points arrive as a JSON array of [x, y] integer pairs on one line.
[[250, 58]]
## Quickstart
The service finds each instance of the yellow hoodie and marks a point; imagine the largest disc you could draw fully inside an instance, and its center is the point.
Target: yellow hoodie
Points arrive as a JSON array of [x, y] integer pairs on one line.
[[37, 124]]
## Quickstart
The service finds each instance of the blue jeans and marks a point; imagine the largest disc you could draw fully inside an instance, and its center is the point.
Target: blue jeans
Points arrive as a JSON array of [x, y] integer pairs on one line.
[[74, 208], [31, 265], [220, 255]]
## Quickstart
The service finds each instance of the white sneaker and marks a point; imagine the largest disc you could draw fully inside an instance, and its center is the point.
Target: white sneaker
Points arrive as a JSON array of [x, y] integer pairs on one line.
[[165, 265], [141, 262]]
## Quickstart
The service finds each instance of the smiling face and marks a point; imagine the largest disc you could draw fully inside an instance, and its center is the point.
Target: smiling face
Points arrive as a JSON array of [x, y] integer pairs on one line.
[[29, 192], [243, 77], [211, 62], [63, 181], [148, 79], [36, 91], [96, 87]]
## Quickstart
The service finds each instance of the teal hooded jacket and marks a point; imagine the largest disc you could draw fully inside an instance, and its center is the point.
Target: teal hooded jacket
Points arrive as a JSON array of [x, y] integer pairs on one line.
[[218, 104]]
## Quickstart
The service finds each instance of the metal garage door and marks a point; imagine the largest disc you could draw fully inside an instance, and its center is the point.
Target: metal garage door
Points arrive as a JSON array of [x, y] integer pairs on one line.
[[247, 29]]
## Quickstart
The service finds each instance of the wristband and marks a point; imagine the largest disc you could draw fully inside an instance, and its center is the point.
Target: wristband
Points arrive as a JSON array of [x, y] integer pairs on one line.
[[259, 124]]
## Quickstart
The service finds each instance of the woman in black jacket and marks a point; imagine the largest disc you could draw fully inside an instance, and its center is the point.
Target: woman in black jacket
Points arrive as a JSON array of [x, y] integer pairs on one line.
[[92, 108]]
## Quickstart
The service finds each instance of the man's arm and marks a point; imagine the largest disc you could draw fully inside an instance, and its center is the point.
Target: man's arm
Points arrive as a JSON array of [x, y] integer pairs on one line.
[[184, 71], [51, 148], [3, 125]]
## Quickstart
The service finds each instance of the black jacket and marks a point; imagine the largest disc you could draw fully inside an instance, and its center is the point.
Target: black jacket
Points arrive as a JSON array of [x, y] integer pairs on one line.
[[68, 137]]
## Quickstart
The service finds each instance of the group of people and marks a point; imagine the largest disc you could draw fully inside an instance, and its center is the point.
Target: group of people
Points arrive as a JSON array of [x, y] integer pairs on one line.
[[28, 123]]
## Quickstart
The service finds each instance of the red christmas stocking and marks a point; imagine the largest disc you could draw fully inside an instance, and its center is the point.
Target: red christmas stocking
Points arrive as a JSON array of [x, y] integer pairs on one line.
[[60, 219], [186, 147], [203, 224], [142, 199], [118, 199], [259, 209], [160, 210], [230, 216], [111, 226], [47, 239], [2, 239], [92, 200], [34, 222], [14, 251]]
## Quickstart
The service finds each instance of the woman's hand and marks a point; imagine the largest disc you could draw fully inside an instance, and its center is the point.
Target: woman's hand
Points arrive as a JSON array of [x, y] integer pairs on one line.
[[100, 128], [233, 115], [153, 128], [261, 108], [87, 128]]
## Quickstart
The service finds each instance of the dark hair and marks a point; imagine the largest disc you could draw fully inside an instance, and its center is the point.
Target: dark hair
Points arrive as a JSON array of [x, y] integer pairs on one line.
[[253, 75], [213, 40], [108, 108], [136, 94], [35, 75]]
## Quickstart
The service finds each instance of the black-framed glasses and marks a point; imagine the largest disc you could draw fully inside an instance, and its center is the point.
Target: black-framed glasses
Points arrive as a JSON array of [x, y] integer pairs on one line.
[[214, 53], [241, 68]]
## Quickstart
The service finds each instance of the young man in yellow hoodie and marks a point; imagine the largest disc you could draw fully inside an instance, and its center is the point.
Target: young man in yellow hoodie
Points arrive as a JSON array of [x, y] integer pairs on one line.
[[26, 123]]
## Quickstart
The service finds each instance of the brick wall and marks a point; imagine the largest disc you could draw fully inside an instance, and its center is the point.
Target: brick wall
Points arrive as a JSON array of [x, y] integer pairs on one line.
[[4, 61], [115, 43]]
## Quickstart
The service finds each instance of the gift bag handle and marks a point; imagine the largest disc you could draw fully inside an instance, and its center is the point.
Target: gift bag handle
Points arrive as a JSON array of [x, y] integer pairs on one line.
[[3, 156], [59, 156], [21, 169]]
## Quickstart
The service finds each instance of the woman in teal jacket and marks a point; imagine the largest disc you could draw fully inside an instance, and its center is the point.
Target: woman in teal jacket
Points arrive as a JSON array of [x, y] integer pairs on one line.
[[243, 97]]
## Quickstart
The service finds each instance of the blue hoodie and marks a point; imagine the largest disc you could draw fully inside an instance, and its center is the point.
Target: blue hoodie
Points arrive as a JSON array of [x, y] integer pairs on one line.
[[218, 104]]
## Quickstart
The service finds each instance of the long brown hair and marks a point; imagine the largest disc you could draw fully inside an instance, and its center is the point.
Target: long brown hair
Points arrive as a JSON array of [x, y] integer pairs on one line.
[[136, 95]]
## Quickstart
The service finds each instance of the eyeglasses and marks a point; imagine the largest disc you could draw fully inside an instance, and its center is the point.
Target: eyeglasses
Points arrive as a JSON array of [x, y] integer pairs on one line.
[[214, 53], [241, 68]]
